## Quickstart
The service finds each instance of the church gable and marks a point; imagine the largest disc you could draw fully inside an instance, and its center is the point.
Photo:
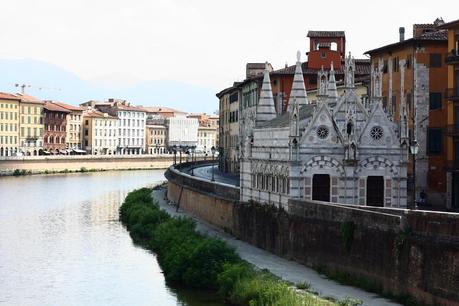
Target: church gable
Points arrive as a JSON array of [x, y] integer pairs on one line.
[[322, 130], [379, 130], [349, 107]]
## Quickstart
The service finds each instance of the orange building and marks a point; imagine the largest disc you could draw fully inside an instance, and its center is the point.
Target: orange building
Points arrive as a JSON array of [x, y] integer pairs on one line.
[[414, 78], [452, 95]]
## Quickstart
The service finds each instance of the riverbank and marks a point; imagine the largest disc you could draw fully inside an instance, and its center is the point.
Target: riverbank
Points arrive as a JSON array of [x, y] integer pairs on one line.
[[68, 164], [190, 258]]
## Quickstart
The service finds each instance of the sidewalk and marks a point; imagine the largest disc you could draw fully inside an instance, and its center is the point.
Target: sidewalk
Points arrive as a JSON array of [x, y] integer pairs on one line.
[[288, 270]]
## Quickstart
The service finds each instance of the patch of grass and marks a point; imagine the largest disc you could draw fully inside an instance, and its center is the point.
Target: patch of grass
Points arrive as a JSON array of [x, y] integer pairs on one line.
[[304, 285], [193, 260]]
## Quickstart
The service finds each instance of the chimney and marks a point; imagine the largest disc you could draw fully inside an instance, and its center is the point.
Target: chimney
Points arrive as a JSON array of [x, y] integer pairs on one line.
[[401, 31]]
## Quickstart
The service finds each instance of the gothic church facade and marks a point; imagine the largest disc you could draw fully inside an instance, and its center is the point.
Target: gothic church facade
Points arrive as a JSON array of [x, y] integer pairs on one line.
[[337, 150]]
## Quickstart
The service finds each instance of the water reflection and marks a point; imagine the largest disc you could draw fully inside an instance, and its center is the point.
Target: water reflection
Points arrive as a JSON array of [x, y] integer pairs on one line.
[[61, 244]]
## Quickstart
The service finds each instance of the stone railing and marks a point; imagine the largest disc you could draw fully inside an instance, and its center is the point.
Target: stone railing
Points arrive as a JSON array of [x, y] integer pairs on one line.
[[202, 185]]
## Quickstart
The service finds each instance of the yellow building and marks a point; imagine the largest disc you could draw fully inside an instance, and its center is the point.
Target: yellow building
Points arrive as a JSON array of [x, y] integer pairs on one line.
[[9, 124], [156, 137], [452, 95], [31, 125]]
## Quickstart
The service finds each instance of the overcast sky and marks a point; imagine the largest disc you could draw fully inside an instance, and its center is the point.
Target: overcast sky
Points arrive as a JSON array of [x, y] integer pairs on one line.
[[203, 42]]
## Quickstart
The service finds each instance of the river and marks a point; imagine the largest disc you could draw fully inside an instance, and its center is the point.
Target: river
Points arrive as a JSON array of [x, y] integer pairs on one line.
[[61, 244]]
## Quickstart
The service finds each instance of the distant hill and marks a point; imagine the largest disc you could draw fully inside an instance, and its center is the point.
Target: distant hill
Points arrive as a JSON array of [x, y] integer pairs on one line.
[[60, 84]]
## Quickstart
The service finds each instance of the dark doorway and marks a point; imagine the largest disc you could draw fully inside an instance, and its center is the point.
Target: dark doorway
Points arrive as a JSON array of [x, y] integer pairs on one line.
[[321, 187], [375, 191]]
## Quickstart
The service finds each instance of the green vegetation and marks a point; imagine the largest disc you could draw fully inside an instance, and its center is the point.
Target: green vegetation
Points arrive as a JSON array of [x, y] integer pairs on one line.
[[20, 172], [193, 260]]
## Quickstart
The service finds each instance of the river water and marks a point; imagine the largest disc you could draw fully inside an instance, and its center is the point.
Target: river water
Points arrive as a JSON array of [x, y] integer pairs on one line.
[[61, 244]]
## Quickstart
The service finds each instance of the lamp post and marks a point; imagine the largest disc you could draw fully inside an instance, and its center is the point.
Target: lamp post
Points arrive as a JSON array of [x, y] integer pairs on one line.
[[175, 153], [414, 148], [180, 152], [205, 153], [213, 165], [192, 154]]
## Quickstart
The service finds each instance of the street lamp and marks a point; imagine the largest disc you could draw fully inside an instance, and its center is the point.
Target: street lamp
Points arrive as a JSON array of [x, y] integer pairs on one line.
[[414, 148], [213, 164], [181, 148], [175, 153], [192, 153]]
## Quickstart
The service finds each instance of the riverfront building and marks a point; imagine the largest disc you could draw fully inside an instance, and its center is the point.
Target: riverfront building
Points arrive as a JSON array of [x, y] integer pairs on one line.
[[100, 132], [182, 132], [55, 120], [452, 105], [31, 125], [414, 82], [131, 127], [9, 124], [73, 140], [338, 150], [156, 139]]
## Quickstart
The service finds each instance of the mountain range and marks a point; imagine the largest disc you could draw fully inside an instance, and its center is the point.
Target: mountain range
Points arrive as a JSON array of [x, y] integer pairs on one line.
[[50, 82]]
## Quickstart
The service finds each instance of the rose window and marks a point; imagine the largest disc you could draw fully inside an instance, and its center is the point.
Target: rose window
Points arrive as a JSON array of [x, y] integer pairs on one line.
[[322, 132], [376, 132]]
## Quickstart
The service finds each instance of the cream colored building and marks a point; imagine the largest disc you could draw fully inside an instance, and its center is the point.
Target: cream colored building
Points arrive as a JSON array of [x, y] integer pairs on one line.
[[9, 124], [31, 125], [100, 132], [156, 139], [207, 138]]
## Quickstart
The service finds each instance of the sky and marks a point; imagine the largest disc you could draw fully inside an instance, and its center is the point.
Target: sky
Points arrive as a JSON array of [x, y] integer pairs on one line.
[[200, 42]]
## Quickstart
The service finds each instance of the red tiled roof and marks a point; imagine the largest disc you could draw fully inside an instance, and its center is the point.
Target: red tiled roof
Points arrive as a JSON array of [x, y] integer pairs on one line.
[[68, 106], [362, 66], [440, 36], [161, 109], [98, 114], [8, 96], [54, 107], [29, 99], [326, 34]]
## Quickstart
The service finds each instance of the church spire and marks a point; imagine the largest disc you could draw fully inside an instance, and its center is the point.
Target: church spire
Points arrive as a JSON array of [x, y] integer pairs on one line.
[[298, 93], [265, 107], [332, 92]]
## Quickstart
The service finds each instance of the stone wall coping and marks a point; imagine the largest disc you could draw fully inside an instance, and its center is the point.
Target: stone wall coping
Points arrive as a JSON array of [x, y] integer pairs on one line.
[[178, 172]]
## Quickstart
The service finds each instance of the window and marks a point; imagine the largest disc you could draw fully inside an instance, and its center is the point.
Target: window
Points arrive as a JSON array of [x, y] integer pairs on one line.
[[435, 60], [394, 104], [435, 100], [435, 141], [323, 55], [409, 59], [395, 66], [384, 103], [385, 66]]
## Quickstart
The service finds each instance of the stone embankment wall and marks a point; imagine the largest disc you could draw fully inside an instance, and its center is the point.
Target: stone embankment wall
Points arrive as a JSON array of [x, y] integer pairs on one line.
[[40, 164], [396, 250]]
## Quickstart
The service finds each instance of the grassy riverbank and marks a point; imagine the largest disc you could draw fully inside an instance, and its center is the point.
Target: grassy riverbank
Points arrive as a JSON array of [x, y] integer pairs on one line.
[[193, 260], [23, 172]]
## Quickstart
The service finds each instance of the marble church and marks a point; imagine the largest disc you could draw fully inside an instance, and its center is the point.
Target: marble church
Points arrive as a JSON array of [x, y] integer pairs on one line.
[[337, 150]]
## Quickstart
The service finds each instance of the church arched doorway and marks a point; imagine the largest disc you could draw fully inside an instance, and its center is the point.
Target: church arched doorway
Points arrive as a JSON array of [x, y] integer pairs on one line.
[[321, 187]]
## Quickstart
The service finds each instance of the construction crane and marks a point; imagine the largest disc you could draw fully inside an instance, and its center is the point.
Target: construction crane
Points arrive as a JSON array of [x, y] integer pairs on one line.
[[24, 86]]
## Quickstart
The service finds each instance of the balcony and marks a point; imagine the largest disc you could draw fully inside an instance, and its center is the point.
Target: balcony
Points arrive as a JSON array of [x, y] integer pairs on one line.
[[452, 94], [452, 58]]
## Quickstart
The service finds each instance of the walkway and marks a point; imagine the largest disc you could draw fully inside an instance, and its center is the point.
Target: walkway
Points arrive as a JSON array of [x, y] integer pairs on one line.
[[206, 173], [288, 270]]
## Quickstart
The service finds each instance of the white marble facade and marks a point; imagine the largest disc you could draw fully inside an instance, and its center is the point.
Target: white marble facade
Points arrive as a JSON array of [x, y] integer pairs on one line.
[[337, 150]]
